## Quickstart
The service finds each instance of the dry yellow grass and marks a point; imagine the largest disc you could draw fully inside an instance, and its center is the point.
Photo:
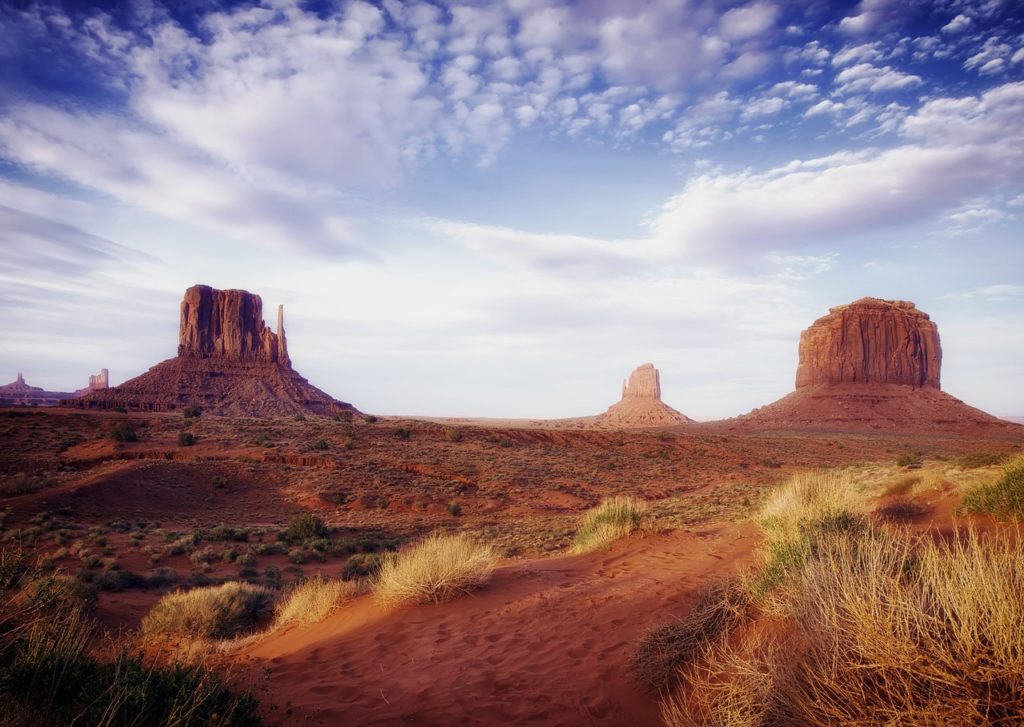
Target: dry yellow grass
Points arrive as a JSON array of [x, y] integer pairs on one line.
[[437, 569], [313, 600], [887, 629], [614, 518], [207, 613]]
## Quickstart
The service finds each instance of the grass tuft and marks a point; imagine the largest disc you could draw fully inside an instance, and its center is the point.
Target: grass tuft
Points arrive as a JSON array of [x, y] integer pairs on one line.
[[313, 600], [614, 518], [213, 612], [437, 569]]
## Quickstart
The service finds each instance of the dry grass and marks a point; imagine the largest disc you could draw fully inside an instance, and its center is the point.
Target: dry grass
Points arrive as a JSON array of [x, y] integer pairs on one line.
[[887, 629], [614, 518], [208, 613], [664, 650], [437, 569], [313, 600]]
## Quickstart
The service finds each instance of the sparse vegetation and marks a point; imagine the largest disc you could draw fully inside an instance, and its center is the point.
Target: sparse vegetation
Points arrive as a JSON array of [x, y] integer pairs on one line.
[[192, 412], [975, 460], [321, 445], [614, 518], [1003, 498], [313, 600], [212, 612], [123, 431], [362, 565], [910, 459], [437, 569], [186, 439], [302, 527]]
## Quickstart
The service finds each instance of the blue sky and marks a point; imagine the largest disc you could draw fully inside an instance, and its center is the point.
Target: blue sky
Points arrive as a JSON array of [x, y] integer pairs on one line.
[[501, 210]]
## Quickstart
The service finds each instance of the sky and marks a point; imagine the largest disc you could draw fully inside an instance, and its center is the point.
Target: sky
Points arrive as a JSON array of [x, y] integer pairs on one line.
[[477, 209]]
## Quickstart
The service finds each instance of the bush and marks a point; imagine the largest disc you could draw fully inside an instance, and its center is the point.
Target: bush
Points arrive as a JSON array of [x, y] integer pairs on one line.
[[1003, 498], [453, 434], [403, 433], [186, 439], [910, 459], [193, 412], [890, 629], [345, 416], [212, 612], [975, 460], [313, 600], [361, 565], [665, 650], [437, 569], [302, 527], [321, 445], [454, 509], [123, 431], [370, 419], [614, 518]]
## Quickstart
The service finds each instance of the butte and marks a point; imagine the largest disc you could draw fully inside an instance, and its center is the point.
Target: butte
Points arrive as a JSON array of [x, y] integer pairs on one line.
[[229, 363], [872, 365], [641, 404]]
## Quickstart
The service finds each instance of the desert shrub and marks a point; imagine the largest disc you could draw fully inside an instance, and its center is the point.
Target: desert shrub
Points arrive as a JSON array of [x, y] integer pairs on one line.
[[454, 509], [614, 518], [403, 433], [361, 565], [370, 419], [437, 569], [163, 577], [186, 439], [664, 650], [272, 576], [192, 412], [901, 509], [58, 592], [212, 612], [224, 533], [975, 460], [345, 416], [1003, 498], [313, 600], [321, 444], [910, 459], [302, 527], [123, 431], [204, 556], [453, 434], [297, 556], [902, 486], [120, 580]]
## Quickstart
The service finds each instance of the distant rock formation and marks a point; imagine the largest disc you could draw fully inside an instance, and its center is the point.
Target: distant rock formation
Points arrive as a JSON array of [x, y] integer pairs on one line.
[[100, 380], [19, 393], [641, 404], [229, 362], [871, 341], [872, 365]]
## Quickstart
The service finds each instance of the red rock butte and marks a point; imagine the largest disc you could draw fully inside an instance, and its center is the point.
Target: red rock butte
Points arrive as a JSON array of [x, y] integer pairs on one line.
[[229, 362], [870, 365], [641, 404]]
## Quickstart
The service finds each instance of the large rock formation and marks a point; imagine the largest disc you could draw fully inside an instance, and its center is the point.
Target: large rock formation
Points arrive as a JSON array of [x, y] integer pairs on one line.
[[20, 393], [868, 366], [641, 404], [871, 341], [228, 362]]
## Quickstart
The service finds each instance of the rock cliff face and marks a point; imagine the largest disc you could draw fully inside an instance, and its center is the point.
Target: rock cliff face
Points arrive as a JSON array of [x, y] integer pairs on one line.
[[229, 324], [872, 365], [871, 341], [641, 404], [229, 362]]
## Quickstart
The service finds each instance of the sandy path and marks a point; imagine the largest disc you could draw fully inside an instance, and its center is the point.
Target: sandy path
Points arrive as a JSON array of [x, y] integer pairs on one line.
[[546, 643]]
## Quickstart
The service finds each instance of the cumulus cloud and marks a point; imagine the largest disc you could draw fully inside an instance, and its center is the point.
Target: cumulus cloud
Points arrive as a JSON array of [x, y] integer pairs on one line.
[[866, 78]]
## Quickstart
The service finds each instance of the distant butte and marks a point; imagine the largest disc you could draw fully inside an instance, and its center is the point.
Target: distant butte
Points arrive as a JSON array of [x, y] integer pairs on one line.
[[871, 365], [641, 404], [229, 362]]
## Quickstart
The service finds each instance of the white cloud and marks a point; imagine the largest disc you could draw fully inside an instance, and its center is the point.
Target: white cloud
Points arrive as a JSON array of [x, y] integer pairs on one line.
[[865, 77], [768, 106], [994, 293], [955, 150], [825, 106], [866, 52], [748, 21], [957, 25]]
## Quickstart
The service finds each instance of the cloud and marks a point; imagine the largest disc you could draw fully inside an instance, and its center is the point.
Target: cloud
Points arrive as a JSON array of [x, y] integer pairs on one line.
[[866, 78], [954, 150], [998, 292], [748, 21], [957, 25]]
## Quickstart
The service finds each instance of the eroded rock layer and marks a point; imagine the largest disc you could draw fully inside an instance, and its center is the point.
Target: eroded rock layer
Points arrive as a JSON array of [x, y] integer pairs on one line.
[[871, 341]]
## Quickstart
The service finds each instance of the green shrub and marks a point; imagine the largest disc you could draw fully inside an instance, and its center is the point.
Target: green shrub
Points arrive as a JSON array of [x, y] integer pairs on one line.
[[186, 439], [361, 565], [403, 433], [193, 412], [454, 509], [302, 527], [321, 445], [910, 459], [1003, 498], [123, 431], [975, 460], [371, 419]]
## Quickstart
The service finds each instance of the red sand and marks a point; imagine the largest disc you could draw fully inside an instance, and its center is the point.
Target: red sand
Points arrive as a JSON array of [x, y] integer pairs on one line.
[[546, 643]]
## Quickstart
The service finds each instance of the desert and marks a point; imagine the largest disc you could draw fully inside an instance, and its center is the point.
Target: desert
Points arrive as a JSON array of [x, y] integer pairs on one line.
[[542, 362]]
